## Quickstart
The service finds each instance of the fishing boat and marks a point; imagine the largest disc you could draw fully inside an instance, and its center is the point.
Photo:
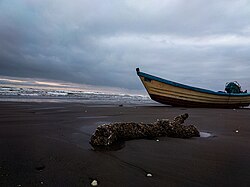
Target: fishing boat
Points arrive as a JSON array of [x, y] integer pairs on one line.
[[176, 94]]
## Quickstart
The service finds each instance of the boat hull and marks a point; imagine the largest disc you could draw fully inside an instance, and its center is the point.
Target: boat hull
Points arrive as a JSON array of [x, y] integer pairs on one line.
[[175, 94], [184, 103]]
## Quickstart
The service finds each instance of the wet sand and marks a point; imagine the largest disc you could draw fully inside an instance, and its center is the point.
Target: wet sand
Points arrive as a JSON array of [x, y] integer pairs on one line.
[[47, 144]]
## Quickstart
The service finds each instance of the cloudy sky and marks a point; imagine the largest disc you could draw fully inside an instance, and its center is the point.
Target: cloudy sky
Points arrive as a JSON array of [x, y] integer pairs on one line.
[[101, 42]]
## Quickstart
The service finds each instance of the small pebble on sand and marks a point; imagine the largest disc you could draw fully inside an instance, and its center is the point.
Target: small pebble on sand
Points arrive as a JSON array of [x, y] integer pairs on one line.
[[237, 131], [94, 183], [149, 175]]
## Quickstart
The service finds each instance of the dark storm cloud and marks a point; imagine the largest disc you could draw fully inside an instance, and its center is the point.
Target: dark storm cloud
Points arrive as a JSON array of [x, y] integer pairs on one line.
[[102, 42]]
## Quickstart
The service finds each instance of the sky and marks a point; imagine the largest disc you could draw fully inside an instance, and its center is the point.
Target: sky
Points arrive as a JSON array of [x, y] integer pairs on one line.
[[101, 42]]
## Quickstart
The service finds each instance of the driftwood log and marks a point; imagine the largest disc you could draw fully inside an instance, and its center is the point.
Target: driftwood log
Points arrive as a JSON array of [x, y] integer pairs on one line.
[[108, 134]]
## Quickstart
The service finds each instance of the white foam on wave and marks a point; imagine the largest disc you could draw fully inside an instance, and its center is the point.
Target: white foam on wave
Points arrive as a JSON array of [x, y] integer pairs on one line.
[[29, 94], [57, 93]]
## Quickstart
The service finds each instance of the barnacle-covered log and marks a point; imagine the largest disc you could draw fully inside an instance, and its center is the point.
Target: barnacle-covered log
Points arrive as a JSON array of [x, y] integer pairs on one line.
[[108, 134]]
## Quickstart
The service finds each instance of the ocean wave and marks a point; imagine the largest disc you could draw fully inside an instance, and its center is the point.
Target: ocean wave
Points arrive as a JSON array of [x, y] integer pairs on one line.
[[79, 96]]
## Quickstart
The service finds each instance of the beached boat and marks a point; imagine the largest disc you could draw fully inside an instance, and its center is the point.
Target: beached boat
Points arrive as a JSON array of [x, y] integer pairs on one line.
[[176, 94]]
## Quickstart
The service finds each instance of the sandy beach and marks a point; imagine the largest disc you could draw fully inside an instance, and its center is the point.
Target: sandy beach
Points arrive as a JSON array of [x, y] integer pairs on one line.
[[47, 144]]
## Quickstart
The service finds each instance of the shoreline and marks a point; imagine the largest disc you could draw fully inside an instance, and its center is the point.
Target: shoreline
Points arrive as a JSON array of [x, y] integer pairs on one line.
[[48, 144]]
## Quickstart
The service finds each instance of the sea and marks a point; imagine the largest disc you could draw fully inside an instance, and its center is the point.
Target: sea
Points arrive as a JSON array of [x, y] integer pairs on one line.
[[47, 94]]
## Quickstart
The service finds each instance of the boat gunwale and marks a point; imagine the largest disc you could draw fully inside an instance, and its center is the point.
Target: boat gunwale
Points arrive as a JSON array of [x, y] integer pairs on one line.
[[202, 90]]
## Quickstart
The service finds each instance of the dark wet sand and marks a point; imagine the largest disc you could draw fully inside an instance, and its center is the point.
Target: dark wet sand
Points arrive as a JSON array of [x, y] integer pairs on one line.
[[46, 144]]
